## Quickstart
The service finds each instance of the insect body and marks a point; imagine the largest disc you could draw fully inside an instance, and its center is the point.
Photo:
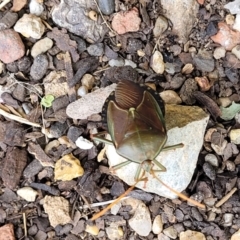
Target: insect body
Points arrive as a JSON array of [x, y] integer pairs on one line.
[[135, 121]]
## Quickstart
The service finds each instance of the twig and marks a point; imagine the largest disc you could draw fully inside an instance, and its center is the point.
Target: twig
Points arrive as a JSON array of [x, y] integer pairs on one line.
[[5, 2], [25, 224], [99, 204], [226, 197], [104, 18], [18, 119]]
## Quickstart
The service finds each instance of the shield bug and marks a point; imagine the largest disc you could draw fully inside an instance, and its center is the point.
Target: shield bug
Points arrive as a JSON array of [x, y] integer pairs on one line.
[[134, 116]]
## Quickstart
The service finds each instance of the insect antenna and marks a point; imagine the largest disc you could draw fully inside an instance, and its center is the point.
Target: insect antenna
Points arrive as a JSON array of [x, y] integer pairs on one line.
[[184, 197]]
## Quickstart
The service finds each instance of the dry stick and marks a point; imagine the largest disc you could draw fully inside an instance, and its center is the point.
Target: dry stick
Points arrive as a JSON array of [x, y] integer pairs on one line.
[[5, 2], [180, 194], [96, 216], [226, 197], [18, 119], [25, 224], [103, 17]]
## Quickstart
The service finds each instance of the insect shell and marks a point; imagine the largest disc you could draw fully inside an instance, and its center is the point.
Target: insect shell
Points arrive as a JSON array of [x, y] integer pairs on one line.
[[134, 115]]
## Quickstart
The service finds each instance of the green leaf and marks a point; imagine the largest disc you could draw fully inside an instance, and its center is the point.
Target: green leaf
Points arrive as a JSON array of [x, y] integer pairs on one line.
[[47, 101], [230, 112]]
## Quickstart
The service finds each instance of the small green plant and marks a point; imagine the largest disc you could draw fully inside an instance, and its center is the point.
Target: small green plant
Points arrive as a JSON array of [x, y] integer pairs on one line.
[[47, 101]]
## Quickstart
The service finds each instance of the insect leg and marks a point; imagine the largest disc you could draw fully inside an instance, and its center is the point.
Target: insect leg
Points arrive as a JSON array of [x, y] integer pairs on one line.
[[162, 168], [180, 145], [98, 137]]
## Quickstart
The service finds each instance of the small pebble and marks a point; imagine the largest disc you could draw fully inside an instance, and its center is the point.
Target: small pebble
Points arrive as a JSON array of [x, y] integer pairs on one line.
[[95, 49], [235, 136], [157, 63], [141, 220], [82, 91], [83, 143], [191, 235], [204, 61], [209, 170], [219, 149], [130, 63], [187, 69], [113, 232], [212, 159], [115, 208], [8, 20], [211, 29], [39, 67], [116, 62], [11, 47], [36, 7], [107, 6], [27, 193], [203, 83], [30, 26], [236, 51], [228, 218], [94, 230], [230, 19], [88, 81], [157, 226], [160, 27], [41, 46], [170, 97], [170, 232], [176, 49], [224, 102], [124, 22], [219, 52]]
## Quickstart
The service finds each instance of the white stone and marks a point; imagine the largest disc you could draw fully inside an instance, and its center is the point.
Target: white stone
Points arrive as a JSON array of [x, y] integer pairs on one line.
[[233, 7], [157, 226], [90, 103], [224, 101], [170, 97], [180, 162], [236, 24], [30, 26], [27, 193], [219, 149], [157, 63], [212, 159], [94, 230], [83, 143], [82, 91], [236, 235], [219, 52], [130, 63], [235, 136], [36, 8], [116, 62], [41, 46], [141, 220], [236, 51], [115, 208]]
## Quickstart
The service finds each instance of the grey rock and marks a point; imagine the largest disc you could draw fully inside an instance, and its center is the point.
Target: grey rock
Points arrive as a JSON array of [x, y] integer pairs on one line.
[[186, 10], [106, 6], [204, 61], [39, 67], [74, 132], [72, 16], [95, 49], [32, 169], [8, 20], [185, 125], [209, 170]]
